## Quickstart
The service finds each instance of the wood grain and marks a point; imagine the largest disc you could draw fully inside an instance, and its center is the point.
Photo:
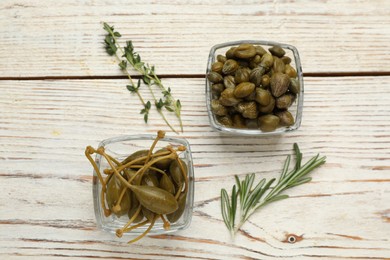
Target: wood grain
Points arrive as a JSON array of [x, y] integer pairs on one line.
[[65, 39], [46, 209]]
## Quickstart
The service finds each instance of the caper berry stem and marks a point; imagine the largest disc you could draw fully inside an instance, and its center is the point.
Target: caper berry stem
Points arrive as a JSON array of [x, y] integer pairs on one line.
[[167, 225], [160, 135], [120, 231], [146, 231]]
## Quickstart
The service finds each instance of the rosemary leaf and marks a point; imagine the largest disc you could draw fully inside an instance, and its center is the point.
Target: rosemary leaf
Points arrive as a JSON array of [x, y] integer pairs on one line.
[[253, 199]]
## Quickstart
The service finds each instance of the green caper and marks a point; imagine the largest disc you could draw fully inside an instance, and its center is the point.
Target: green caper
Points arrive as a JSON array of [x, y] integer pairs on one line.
[[251, 96], [265, 81], [286, 118], [113, 192], [136, 155], [251, 123], [176, 172], [243, 89], [167, 184], [266, 60], [279, 65], [225, 120], [241, 75], [155, 199], [284, 102], [260, 50], [162, 164], [268, 123], [230, 53], [228, 81], [214, 77], [263, 97], [294, 86], [238, 121], [229, 67], [254, 62], [132, 212], [256, 75], [217, 108], [290, 71], [228, 98], [173, 217], [286, 59], [217, 67], [248, 109], [245, 51], [221, 58], [150, 180], [268, 108], [217, 88], [279, 84], [277, 51]]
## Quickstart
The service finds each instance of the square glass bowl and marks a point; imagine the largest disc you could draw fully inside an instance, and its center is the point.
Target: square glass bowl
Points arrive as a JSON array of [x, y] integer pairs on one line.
[[295, 109], [121, 147]]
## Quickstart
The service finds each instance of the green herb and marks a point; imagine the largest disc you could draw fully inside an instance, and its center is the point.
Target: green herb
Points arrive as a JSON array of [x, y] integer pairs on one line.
[[148, 75], [252, 199]]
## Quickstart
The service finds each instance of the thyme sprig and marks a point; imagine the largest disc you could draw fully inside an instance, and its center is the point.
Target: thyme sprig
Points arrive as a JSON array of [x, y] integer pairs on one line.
[[128, 57], [252, 199]]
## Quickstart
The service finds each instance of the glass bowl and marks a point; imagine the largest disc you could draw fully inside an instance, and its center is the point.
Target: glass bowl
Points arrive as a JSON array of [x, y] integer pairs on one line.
[[121, 147], [295, 109]]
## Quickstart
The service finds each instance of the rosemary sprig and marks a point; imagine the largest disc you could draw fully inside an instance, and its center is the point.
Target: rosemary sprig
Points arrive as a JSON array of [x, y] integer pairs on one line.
[[252, 199], [149, 77]]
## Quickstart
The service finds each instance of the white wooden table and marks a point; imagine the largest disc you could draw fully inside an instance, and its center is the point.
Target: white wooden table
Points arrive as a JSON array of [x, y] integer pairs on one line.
[[60, 91]]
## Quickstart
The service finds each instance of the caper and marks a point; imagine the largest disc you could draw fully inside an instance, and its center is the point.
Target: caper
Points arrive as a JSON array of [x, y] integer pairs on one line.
[[266, 60], [263, 97], [251, 96], [155, 199], [162, 164], [248, 109], [286, 118], [268, 123], [136, 155], [255, 76], [167, 184], [229, 67], [251, 123], [229, 82], [217, 88], [286, 59], [217, 67], [225, 120], [228, 98], [277, 51], [290, 71], [214, 77], [238, 121], [294, 86], [279, 65], [217, 108], [221, 58], [284, 102], [243, 89], [150, 180], [268, 108], [279, 84], [265, 81], [255, 61], [177, 173], [173, 217], [245, 51], [230, 53], [241, 75], [260, 50], [113, 192]]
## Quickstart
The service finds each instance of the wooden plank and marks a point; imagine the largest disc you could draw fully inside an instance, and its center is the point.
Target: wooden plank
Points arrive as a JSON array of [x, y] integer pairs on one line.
[[41, 39], [46, 209]]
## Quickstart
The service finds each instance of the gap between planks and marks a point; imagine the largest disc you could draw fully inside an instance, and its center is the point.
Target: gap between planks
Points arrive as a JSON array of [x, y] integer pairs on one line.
[[312, 74]]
